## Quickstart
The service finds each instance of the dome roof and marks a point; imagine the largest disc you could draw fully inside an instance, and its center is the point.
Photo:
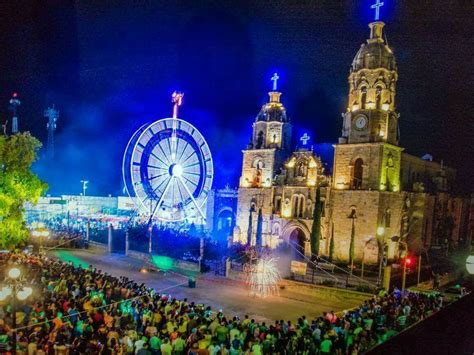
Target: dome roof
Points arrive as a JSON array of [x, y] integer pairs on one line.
[[273, 110], [375, 53]]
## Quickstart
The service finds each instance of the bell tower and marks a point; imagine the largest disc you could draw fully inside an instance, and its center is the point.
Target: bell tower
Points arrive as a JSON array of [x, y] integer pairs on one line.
[[368, 156], [371, 115], [270, 142]]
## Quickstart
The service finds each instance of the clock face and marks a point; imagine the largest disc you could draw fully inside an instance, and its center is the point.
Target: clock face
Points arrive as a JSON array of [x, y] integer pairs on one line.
[[361, 122]]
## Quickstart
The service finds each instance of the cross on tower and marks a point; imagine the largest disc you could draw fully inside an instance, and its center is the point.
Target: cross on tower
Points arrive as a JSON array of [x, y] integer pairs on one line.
[[305, 138], [275, 78], [377, 7]]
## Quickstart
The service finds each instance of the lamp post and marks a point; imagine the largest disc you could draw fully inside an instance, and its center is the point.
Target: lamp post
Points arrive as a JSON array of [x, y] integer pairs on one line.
[[15, 288], [470, 264], [398, 240]]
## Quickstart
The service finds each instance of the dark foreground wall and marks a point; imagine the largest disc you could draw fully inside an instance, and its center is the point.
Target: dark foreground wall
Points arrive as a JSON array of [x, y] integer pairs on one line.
[[450, 331]]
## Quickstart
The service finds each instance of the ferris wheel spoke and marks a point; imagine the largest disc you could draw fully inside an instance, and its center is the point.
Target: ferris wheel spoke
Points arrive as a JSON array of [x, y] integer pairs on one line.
[[191, 182], [182, 152], [158, 158], [162, 197], [190, 173], [189, 156], [193, 164], [171, 150], [180, 193], [192, 197], [161, 184], [156, 167], [164, 155], [173, 192], [157, 176]]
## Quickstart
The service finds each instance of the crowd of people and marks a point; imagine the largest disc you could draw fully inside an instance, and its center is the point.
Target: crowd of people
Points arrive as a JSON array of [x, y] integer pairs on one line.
[[86, 311]]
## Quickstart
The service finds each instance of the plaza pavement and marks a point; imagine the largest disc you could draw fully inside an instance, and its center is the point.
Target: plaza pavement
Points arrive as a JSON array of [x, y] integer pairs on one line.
[[218, 292]]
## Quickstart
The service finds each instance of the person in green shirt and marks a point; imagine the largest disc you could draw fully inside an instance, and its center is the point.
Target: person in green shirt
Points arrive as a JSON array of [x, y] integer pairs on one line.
[[179, 345], [257, 348], [222, 333], [155, 344], [166, 348], [326, 345]]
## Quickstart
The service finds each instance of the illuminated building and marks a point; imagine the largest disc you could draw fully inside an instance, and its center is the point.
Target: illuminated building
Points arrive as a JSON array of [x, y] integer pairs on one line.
[[374, 183]]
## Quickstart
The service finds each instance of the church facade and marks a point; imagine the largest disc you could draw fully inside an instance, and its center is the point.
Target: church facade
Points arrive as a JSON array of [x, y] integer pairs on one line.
[[377, 191]]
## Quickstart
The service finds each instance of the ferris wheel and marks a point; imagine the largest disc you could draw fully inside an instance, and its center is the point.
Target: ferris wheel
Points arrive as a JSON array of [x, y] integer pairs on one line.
[[167, 168]]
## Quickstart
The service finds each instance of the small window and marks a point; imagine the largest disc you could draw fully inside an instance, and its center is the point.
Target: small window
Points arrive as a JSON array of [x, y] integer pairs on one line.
[[388, 217]]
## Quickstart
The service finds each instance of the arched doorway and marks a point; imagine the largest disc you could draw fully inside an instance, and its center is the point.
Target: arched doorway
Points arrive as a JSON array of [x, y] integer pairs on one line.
[[358, 173], [224, 223], [297, 241]]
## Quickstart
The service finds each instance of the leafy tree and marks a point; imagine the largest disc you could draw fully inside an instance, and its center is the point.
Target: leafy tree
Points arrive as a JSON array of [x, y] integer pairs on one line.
[[250, 229], [352, 245], [316, 228], [331, 245], [18, 185]]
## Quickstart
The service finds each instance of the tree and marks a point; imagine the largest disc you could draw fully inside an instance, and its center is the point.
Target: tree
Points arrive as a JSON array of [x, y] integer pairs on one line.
[[331, 245], [352, 245], [250, 228], [18, 186], [316, 228], [258, 233]]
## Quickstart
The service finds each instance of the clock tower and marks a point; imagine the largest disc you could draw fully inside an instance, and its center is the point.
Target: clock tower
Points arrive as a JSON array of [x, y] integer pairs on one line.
[[368, 156]]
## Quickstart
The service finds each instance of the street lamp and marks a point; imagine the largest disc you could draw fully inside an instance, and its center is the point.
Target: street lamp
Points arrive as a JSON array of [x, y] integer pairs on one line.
[[406, 259], [470, 264], [16, 288], [40, 233]]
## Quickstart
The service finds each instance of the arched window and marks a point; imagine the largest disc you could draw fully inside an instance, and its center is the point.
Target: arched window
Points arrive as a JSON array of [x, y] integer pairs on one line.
[[378, 97], [388, 217], [358, 174], [363, 97], [260, 140], [277, 206], [297, 206], [301, 208]]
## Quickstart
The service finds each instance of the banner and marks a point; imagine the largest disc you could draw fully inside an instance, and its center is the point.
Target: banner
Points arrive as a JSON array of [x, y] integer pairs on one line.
[[299, 268]]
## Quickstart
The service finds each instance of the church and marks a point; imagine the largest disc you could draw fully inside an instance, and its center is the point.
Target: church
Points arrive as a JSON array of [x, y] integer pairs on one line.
[[377, 194]]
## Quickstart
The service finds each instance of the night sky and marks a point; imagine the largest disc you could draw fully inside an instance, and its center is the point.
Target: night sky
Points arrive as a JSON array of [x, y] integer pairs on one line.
[[110, 66]]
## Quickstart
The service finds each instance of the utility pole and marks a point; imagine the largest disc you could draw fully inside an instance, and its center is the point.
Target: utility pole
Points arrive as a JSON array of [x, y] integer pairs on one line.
[[14, 104], [52, 114], [84, 187]]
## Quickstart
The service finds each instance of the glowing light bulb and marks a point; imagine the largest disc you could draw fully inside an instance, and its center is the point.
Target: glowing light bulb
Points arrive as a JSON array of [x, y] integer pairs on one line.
[[14, 273], [24, 294], [177, 170]]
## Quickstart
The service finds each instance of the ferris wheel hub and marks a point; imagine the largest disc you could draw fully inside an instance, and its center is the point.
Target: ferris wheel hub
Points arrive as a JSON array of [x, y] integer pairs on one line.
[[176, 170]]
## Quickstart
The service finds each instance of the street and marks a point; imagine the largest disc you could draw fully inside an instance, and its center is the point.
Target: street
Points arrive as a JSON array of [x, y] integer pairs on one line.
[[220, 293]]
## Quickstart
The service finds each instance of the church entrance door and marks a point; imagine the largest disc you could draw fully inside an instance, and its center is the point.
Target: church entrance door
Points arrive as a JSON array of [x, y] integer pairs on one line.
[[297, 243]]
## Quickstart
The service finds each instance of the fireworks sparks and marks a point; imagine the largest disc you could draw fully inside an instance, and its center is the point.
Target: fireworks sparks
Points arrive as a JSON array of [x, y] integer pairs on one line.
[[263, 277]]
